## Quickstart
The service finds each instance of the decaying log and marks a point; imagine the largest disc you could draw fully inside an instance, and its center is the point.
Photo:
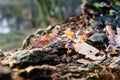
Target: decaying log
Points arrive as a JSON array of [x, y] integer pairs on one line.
[[26, 58]]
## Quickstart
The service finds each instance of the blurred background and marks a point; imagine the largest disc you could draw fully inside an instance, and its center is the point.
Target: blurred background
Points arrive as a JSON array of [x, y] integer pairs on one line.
[[18, 18]]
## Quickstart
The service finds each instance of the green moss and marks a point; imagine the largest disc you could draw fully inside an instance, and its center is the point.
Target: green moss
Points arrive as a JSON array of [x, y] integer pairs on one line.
[[96, 5], [26, 41]]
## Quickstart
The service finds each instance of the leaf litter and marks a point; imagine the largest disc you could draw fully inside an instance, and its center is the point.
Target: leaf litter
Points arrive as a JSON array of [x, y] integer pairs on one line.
[[85, 47]]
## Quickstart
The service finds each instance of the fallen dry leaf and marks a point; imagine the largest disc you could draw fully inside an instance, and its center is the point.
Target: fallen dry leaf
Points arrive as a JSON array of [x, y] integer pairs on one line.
[[89, 51]]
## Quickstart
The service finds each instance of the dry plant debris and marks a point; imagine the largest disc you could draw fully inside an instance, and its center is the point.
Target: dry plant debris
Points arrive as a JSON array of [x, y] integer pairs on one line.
[[85, 47]]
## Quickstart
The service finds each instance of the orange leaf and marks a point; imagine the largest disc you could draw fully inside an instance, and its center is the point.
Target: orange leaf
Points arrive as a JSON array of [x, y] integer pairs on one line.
[[45, 42], [47, 36], [69, 34]]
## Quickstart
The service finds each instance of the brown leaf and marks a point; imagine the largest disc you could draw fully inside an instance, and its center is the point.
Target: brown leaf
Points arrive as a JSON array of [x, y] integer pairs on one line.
[[89, 51]]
